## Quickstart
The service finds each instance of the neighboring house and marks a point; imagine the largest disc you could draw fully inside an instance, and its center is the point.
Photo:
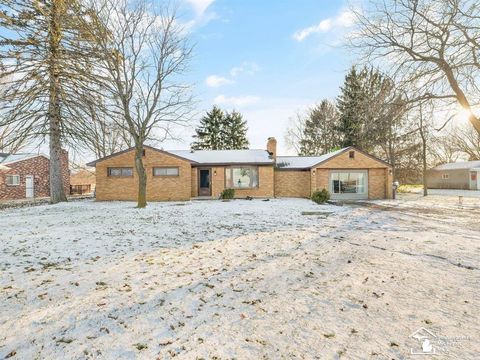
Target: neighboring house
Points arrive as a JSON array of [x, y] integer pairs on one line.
[[26, 175], [82, 182], [348, 173], [458, 175]]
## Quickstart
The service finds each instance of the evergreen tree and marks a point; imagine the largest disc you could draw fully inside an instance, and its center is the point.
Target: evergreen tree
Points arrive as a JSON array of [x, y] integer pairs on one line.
[[209, 133], [351, 106], [235, 131], [320, 134], [219, 130], [46, 59]]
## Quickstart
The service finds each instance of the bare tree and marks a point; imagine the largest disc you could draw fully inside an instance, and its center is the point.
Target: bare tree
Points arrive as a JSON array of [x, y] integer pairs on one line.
[[45, 68], [144, 53], [466, 141], [295, 132], [433, 46]]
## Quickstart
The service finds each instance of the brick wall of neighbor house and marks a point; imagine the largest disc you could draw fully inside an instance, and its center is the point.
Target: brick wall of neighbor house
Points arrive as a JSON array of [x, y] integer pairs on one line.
[[290, 183], [158, 187], [39, 168]]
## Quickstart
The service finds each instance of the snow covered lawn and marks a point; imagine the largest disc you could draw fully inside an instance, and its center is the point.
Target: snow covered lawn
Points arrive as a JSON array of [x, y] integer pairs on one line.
[[240, 279]]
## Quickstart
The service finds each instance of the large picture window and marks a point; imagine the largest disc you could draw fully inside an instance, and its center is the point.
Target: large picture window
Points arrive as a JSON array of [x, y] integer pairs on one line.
[[165, 171], [348, 182], [120, 171], [241, 177], [13, 180]]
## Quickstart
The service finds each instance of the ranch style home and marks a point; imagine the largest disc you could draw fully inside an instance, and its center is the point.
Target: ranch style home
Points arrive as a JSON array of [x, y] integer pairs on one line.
[[348, 174]]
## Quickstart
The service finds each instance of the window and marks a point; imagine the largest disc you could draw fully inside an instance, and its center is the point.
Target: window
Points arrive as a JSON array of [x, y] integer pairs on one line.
[[352, 154], [241, 177], [445, 176], [120, 171], [143, 152], [13, 180], [165, 171], [348, 182]]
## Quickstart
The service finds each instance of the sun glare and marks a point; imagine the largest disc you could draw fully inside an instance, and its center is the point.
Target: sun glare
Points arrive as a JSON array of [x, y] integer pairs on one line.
[[463, 114]]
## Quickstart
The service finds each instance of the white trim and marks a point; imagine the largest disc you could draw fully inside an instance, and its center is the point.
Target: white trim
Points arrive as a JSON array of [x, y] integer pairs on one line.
[[348, 196], [12, 175]]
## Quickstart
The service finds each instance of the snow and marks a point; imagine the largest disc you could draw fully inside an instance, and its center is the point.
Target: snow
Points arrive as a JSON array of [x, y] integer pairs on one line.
[[304, 162], [460, 165], [240, 279], [251, 156]]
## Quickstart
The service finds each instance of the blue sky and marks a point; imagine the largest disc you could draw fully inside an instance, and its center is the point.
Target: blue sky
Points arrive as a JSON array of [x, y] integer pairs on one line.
[[266, 59]]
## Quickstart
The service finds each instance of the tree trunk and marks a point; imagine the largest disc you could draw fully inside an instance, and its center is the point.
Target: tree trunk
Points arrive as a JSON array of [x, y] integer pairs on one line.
[[142, 178], [424, 154], [57, 191]]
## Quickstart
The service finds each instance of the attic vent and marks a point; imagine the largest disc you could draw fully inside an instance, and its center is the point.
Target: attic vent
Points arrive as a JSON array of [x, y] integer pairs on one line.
[[352, 155]]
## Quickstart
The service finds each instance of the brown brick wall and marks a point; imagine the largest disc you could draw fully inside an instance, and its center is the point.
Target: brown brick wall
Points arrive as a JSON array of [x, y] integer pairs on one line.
[[376, 183], [158, 187], [292, 183], [39, 167]]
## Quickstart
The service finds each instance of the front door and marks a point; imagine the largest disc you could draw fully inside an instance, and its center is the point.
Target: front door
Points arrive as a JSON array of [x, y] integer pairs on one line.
[[204, 182], [29, 186]]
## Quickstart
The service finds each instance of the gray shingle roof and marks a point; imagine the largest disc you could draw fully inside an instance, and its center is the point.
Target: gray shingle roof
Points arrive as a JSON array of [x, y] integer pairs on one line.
[[463, 165], [304, 162], [225, 156]]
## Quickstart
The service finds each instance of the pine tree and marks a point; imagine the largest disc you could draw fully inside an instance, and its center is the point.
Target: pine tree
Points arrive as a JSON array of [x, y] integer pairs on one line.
[[320, 134], [235, 131], [45, 68], [219, 130], [209, 133], [351, 106]]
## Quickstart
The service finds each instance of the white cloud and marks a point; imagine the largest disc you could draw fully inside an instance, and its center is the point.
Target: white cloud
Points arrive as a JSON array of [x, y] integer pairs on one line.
[[200, 6], [216, 81], [246, 67], [345, 19], [236, 100]]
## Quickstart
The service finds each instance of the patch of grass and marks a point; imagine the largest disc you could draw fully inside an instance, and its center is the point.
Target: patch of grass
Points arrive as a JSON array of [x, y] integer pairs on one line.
[[64, 341], [329, 336], [409, 188], [140, 346]]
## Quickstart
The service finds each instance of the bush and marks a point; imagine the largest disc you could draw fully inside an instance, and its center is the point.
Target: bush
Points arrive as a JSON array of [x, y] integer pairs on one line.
[[320, 196], [227, 194]]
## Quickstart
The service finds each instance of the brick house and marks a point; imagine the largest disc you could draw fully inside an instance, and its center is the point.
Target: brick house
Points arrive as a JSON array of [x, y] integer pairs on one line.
[[348, 173], [82, 182], [25, 175]]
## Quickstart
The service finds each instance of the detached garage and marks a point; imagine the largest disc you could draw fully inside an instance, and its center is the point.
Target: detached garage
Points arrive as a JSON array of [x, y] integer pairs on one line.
[[348, 174], [458, 175]]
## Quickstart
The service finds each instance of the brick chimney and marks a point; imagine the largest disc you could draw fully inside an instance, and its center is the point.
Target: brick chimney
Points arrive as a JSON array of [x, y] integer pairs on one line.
[[272, 147]]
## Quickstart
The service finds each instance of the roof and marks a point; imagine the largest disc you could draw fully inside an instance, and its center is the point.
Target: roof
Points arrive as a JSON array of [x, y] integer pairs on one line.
[[225, 156], [6, 159], [209, 157], [305, 162], [463, 165]]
